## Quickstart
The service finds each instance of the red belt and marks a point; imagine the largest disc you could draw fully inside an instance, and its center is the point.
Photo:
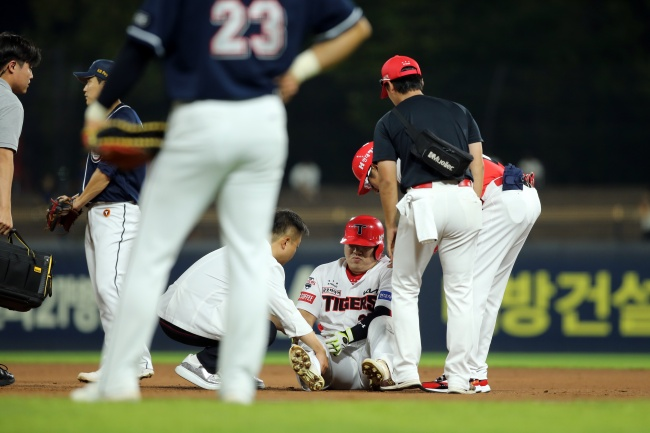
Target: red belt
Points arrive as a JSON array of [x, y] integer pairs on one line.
[[464, 182]]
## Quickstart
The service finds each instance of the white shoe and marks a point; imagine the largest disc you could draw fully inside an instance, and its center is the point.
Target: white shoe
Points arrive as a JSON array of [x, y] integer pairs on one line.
[[303, 367], [90, 377], [377, 372], [146, 373], [407, 384], [91, 394], [192, 370], [93, 376], [458, 390]]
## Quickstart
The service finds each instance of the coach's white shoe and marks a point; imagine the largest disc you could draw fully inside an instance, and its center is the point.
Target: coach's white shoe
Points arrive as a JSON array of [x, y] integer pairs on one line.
[[93, 376], [192, 370], [377, 372], [307, 373], [91, 394]]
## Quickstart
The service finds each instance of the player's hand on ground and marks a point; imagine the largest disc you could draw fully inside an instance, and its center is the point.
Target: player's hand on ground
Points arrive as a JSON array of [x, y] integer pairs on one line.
[[339, 341]]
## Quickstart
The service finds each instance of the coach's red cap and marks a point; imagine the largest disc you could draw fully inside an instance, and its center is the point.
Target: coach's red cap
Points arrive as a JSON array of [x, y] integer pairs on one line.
[[397, 67]]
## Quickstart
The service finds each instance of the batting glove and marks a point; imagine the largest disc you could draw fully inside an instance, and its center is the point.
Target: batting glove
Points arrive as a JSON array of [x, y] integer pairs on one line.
[[339, 341]]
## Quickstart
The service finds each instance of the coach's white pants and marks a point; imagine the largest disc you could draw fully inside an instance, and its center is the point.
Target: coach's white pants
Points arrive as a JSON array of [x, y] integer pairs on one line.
[[456, 214], [233, 152], [508, 217], [110, 235]]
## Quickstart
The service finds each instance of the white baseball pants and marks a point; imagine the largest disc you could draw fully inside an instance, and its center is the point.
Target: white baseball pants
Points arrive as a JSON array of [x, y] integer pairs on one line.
[[452, 215], [110, 235], [508, 217], [234, 152]]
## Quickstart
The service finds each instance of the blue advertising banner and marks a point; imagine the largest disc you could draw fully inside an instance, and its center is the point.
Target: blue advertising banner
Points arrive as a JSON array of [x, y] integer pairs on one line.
[[590, 297]]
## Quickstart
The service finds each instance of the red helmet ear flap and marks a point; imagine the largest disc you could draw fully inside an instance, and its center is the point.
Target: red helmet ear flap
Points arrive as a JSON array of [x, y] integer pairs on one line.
[[379, 251]]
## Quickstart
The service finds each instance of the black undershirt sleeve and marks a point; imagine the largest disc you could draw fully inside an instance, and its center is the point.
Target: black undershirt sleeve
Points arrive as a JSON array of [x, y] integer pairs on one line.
[[129, 66], [360, 330]]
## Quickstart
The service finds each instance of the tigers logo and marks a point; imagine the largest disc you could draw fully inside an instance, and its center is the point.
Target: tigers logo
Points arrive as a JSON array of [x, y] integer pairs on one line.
[[107, 212]]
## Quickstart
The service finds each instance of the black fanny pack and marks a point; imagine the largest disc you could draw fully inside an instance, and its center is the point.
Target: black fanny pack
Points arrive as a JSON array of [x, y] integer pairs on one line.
[[445, 158]]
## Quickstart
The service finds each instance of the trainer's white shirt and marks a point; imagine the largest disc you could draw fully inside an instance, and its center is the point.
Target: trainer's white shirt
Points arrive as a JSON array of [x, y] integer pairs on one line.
[[11, 117], [336, 302], [197, 301]]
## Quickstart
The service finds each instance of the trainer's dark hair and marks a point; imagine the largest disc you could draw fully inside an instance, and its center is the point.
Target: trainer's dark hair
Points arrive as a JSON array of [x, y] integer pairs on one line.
[[18, 48], [285, 220], [408, 83]]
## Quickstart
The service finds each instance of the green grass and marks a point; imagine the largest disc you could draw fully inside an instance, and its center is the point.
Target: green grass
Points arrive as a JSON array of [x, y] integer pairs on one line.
[[430, 414], [30, 415], [521, 360]]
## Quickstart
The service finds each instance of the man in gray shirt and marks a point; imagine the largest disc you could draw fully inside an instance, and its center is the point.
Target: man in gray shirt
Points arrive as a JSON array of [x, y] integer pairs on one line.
[[17, 58]]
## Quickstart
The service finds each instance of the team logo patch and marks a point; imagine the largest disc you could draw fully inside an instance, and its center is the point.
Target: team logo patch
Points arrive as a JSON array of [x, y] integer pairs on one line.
[[107, 213], [388, 296], [307, 297], [310, 282], [331, 291]]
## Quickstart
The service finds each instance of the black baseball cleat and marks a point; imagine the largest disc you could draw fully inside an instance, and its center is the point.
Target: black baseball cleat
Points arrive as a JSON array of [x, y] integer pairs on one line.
[[6, 378]]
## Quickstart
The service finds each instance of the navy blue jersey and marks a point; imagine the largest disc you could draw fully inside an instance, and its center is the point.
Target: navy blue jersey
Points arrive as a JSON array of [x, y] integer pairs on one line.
[[123, 185], [448, 120], [233, 49]]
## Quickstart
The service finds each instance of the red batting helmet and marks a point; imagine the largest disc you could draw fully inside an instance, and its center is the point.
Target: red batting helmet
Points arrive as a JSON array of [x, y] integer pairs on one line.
[[366, 231], [361, 164]]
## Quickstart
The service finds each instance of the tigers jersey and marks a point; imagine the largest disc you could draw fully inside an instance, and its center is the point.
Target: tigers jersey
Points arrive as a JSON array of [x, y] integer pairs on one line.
[[336, 302]]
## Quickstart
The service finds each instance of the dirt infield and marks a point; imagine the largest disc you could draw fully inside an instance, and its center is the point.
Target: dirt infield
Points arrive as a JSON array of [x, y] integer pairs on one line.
[[508, 384]]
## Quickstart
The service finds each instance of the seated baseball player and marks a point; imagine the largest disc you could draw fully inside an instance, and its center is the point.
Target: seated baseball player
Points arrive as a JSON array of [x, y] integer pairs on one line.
[[192, 310], [350, 299]]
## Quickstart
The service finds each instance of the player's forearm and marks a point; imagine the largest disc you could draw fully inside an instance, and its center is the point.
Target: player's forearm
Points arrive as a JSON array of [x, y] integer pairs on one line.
[[476, 167], [97, 183], [6, 178], [312, 341], [333, 51]]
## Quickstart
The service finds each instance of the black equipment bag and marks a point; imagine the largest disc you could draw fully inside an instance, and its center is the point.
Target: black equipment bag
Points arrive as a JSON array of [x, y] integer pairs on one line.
[[447, 159], [25, 275]]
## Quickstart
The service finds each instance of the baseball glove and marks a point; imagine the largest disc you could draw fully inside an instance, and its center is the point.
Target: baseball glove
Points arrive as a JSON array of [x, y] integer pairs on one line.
[[126, 145], [61, 213]]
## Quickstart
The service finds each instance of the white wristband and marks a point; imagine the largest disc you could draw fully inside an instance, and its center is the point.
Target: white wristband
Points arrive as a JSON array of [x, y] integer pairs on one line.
[[305, 66], [96, 112]]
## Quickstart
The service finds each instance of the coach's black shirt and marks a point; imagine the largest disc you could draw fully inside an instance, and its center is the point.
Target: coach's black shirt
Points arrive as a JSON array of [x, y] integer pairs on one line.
[[448, 120]]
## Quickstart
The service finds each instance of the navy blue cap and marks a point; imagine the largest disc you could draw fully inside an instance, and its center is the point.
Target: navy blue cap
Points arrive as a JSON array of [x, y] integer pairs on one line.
[[100, 69]]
